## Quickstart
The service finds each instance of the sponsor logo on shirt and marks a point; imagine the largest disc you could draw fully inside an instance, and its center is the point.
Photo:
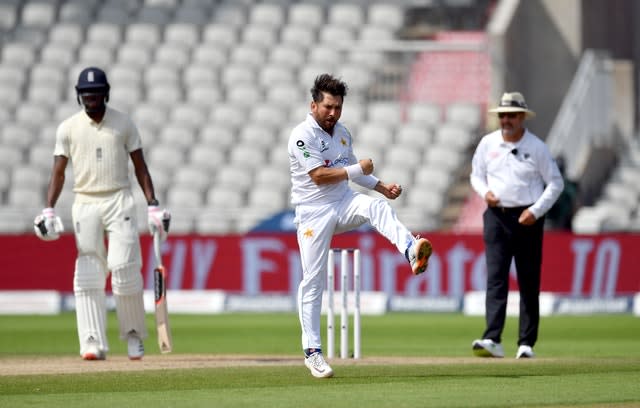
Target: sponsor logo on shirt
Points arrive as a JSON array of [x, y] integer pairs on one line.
[[340, 161]]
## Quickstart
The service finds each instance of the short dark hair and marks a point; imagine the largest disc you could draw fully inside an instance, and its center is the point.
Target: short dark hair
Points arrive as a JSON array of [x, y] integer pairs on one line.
[[328, 83]]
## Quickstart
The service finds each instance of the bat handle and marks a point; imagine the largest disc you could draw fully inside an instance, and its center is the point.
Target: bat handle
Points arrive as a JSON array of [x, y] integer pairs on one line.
[[156, 247]]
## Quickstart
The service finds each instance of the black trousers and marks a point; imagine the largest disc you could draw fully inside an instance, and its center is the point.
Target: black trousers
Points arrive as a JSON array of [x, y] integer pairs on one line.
[[505, 239]]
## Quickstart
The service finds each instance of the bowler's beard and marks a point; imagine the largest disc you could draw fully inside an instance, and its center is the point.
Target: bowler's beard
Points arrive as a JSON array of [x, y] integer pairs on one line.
[[329, 130]]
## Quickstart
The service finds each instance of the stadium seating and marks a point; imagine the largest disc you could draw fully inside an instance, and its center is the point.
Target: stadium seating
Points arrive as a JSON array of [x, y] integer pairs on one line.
[[617, 209], [215, 88]]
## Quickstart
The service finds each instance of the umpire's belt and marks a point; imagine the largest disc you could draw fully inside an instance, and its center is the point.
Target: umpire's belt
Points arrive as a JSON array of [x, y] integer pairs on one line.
[[510, 210]]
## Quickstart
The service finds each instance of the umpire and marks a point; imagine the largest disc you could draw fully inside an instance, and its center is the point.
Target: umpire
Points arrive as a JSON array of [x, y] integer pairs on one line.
[[514, 172]]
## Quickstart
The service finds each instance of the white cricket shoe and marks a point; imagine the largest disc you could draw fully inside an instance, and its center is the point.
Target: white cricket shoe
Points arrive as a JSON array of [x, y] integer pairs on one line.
[[418, 254], [92, 350], [318, 367], [135, 346], [525, 351], [487, 348]]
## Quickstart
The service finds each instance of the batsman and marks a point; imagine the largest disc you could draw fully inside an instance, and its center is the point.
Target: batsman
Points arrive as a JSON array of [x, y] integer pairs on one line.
[[98, 141]]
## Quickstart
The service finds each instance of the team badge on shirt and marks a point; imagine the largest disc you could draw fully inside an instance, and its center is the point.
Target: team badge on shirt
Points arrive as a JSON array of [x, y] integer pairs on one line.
[[303, 148]]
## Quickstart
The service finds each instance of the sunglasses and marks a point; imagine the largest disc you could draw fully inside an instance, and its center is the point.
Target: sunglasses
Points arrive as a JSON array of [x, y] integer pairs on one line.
[[509, 115]]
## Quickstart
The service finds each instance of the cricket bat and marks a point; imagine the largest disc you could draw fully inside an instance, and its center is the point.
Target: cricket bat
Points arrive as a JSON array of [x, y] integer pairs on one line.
[[160, 290]]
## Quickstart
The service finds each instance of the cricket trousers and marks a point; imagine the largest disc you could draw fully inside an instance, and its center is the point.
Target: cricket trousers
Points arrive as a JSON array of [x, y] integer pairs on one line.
[[506, 239]]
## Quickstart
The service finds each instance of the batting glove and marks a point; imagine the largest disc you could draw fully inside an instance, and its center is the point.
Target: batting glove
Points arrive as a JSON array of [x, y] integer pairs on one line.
[[159, 220], [47, 225]]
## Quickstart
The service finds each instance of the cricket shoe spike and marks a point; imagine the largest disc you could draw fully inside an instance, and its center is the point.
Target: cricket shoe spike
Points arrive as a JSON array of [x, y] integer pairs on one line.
[[318, 367], [418, 255], [135, 346], [487, 348]]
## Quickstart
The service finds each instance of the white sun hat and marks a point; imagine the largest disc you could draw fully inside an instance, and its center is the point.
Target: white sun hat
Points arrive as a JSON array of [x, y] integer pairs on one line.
[[513, 102]]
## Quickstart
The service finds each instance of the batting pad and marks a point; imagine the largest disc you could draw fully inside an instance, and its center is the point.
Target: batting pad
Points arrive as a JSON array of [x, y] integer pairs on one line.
[[126, 280], [91, 315], [130, 312], [91, 273]]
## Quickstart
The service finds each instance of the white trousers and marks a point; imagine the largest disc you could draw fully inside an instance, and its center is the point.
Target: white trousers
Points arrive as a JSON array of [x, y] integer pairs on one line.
[[316, 226], [95, 215], [113, 214]]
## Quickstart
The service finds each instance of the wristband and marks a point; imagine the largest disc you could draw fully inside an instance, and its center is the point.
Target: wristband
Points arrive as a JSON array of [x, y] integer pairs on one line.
[[354, 171], [154, 202], [49, 212]]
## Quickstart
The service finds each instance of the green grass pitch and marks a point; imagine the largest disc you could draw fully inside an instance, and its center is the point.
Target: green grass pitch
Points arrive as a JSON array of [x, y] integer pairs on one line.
[[409, 360]]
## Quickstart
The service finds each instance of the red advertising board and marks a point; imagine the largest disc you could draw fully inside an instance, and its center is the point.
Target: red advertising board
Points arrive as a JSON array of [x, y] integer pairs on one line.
[[600, 265]]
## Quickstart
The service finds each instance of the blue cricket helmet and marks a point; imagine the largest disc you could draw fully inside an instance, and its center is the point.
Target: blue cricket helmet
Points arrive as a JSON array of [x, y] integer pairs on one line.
[[92, 80]]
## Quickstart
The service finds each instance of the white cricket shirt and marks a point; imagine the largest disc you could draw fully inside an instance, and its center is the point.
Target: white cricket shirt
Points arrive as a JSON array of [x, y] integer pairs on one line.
[[518, 174], [99, 152], [311, 147]]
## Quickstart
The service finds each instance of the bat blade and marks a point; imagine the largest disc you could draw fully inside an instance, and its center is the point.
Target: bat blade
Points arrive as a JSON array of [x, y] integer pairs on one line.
[[165, 341], [162, 313]]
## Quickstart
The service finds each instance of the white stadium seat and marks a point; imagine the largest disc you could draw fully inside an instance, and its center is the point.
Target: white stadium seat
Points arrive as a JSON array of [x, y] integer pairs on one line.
[[183, 137], [134, 55], [257, 136], [220, 35], [300, 36], [212, 56], [403, 156], [145, 34], [288, 54], [181, 34], [266, 198], [192, 177], [306, 14], [233, 14], [12, 75], [70, 35], [234, 175], [267, 14], [345, 14], [225, 197], [207, 158], [386, 15], [195, 75], [183, 197], [25, 197], [230, 115], [174, 55], [18, 55], [414, 135], [375, 34], [38, 14], [10, 155], [104, 34], [248, 54], [424, 113], [206, 96]]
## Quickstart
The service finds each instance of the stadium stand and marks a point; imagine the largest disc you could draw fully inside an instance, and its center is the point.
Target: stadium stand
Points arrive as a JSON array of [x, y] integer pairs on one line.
[[229, 76]]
